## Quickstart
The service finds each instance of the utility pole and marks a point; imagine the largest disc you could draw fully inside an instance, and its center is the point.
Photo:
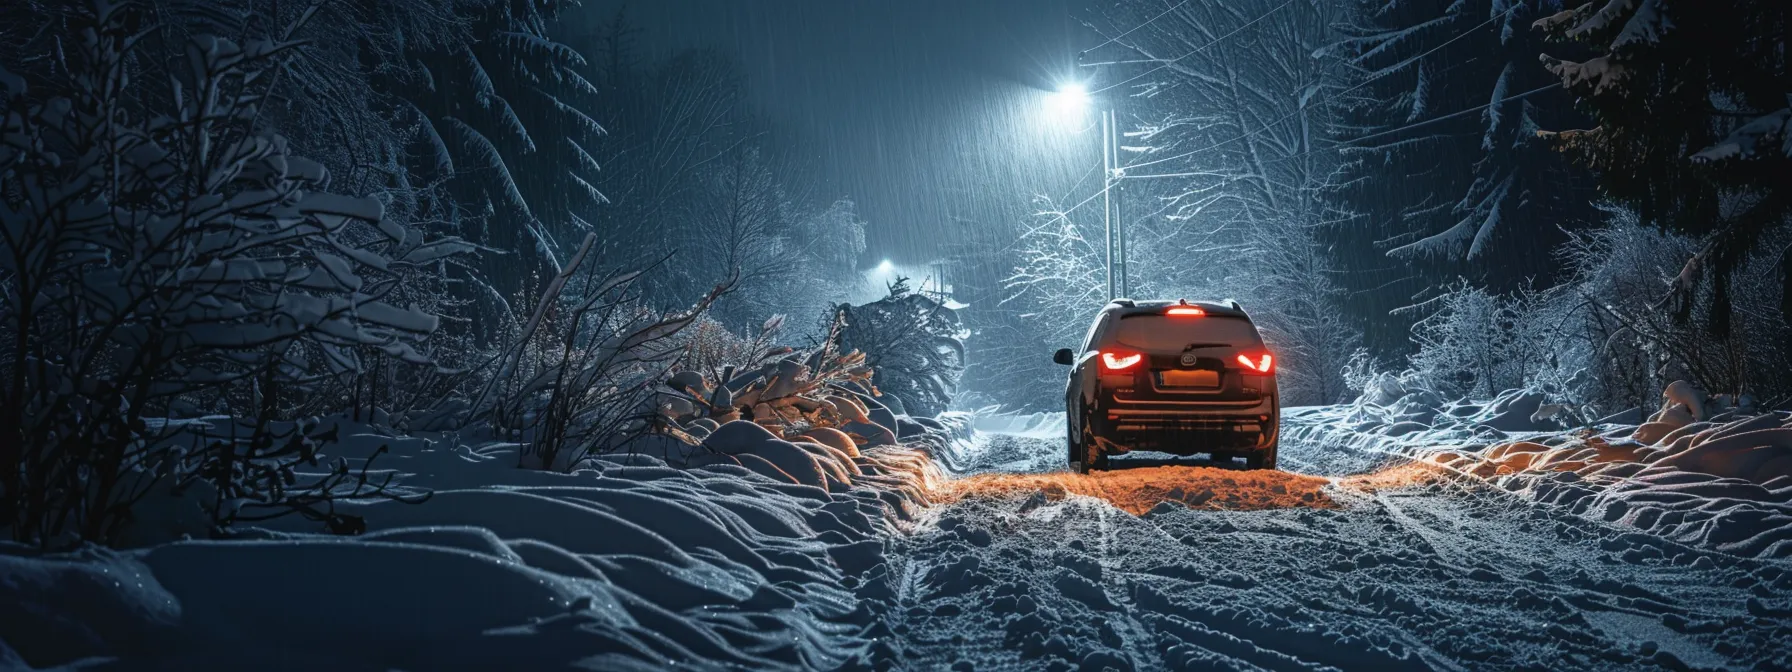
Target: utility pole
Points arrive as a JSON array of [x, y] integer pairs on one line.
[[1112, 215], [1107, 200], [1116, 193], [1114, 176]]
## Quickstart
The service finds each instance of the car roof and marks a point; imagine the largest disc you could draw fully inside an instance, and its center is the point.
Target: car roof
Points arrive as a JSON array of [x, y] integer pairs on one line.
[[1125, 307]]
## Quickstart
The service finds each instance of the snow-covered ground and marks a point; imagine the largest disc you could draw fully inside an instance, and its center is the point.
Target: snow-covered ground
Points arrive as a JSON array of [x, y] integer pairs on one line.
[[1404, 534], [1366, 555], [628, 564]]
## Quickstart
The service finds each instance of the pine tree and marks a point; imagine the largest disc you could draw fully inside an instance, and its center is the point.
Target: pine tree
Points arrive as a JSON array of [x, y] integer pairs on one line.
[[1443, 171], [1691, 101]]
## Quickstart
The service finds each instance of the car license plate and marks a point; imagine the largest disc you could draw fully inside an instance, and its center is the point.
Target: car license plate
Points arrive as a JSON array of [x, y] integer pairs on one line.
[[1197, 378]]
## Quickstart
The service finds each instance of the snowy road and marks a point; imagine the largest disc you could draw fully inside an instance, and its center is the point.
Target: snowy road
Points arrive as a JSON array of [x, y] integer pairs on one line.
[[1024, 566]]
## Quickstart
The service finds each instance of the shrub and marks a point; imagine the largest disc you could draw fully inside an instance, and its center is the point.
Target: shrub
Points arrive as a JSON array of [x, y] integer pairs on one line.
[[580, 379], [915, 344], [156, 260]]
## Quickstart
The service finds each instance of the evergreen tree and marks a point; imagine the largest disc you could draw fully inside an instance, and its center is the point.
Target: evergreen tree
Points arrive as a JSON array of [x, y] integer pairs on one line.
[[1442, 169], [1691, 104]]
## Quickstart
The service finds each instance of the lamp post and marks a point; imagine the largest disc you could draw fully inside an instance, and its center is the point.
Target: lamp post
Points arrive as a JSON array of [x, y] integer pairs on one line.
[[1111, 193], [1073, 98]]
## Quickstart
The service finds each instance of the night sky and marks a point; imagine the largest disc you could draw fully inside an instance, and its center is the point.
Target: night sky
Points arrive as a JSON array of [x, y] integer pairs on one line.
[[914, 109]]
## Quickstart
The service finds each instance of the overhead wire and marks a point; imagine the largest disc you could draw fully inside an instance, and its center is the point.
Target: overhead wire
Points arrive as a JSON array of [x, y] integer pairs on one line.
[[1348, 143], [1197, 50], [1328, 96], [1354, 142], [1133, 29]]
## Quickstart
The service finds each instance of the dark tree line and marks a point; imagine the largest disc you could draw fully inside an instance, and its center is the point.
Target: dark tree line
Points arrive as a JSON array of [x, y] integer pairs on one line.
[[1485, 192], [1426, 194], [420, 215]]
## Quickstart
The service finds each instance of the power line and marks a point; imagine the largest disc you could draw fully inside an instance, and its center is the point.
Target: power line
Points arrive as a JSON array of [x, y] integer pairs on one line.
[[1065, 214], [1352, 142], [1130, 31], [1385, 72], [1397, 66], [1198, 50]]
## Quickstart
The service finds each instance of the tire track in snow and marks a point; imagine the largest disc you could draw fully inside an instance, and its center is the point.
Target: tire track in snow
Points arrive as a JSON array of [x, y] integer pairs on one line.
[[1136, 635], [1409, 572]]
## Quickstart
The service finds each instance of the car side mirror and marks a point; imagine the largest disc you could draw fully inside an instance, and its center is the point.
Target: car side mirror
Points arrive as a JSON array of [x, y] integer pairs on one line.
[[1064, 356]]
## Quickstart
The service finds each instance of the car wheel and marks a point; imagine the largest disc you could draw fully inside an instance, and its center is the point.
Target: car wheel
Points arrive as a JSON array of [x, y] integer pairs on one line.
[[1094, 458], [1264, 459], [1088, 450]]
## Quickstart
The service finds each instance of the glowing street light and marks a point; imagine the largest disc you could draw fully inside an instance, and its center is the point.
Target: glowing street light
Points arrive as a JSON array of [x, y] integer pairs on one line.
[[1069, 103]]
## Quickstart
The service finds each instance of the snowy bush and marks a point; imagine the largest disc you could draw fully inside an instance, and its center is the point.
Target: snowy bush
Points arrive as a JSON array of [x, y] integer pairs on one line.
[[716, 352], [914, 342], [580, 378], [1476, 343], [789, 393], [169, 260], [1607, 339], [1621, 312]]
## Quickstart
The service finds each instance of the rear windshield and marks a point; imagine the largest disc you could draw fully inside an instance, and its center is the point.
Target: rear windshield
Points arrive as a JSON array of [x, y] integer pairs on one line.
[[1162, 332]]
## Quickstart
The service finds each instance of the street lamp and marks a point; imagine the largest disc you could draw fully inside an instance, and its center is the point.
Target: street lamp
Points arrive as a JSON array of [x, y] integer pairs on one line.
[[1070, 101]]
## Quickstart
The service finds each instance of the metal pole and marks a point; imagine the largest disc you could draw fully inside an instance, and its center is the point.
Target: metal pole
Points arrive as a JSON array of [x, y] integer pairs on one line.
[[1107, 196], [1120, 274]]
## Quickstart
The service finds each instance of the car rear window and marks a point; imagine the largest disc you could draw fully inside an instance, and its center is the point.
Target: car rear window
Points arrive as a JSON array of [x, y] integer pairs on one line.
[[1162, 332]]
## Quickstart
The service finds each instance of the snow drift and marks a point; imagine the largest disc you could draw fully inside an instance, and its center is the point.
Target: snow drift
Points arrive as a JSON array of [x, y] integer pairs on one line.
[[1708, 471], [746, 560]]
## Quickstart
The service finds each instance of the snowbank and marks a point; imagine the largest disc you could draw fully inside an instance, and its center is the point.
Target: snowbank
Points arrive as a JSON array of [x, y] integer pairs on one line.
[[1705, 471], [1034, 425], [745, 560]]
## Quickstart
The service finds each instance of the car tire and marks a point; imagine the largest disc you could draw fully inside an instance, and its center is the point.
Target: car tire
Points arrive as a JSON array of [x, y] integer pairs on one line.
[[1264, 459], [1089, 450], [1094, 458]]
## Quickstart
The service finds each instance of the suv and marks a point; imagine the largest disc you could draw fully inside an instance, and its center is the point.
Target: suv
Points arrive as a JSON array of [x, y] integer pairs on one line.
[[1174, 377]]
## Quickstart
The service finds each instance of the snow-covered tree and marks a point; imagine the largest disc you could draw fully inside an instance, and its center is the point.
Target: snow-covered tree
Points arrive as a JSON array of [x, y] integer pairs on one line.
[[508, 112], [1443, 176], [1634, 348], [166, 255], [1691, 105], [914, 342], [438, 107]]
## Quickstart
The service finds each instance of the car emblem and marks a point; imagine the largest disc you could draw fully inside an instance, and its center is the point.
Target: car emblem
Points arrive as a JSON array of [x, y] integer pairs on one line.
[[1188, 359]]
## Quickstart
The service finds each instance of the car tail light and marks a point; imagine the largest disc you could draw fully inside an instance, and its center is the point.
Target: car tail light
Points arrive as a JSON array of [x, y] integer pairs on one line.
[[1185, 311], [1120, 361], [1260, 362]]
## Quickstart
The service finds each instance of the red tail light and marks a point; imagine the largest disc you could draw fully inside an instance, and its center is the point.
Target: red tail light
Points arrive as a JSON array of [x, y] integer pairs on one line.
[[1120, 361], [1185, 311], [1258, 363]]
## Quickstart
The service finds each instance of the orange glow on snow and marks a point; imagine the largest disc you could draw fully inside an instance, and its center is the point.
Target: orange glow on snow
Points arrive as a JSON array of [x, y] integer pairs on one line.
[[1137, 489]]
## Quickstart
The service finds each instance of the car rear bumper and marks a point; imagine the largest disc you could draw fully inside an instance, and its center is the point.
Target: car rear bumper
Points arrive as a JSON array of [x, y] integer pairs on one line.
[[1188, 427]]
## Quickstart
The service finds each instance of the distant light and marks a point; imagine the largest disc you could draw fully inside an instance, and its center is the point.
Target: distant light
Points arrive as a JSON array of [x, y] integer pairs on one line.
[[885, 266], [1069, 102]]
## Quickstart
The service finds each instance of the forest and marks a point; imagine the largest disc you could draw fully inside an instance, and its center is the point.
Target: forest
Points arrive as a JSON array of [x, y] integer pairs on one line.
[[1473, 196], [453, 309]]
